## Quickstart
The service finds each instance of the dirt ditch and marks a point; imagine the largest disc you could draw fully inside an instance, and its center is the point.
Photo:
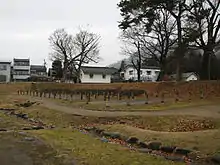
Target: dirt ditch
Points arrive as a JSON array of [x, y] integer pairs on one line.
[[154, 148]]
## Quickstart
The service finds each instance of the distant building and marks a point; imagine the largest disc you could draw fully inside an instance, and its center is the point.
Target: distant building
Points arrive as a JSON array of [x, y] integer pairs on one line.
[[96, 74], [38, 70], [21, 69], [39, 74], [148, 73], [191, 76], [5, 72], [50, 72]]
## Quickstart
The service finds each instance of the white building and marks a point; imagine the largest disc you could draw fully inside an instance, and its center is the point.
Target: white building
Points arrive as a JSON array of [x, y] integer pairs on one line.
[[96, 74], [38, 70], [21, 69], [148, 73], [191, 76], [5, 72]]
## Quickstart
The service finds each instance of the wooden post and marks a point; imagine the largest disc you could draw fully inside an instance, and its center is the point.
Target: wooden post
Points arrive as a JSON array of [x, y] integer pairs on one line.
[[107, 103], [105, 96], [119, 96], [128, 98], [162, 97], [146, 97], [54, 95], [176, 95], [109, 96], [190, 95], [88, 96], [96, 95], [157, 94], [65, 96], [201, 94], [81, 95], [71, 96], [133, 95]]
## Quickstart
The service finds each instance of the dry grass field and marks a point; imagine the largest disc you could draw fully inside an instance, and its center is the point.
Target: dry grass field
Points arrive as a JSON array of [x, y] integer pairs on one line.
[[190, 125]]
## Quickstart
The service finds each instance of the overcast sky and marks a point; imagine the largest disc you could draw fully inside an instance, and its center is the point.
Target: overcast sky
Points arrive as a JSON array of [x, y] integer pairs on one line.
[[27, 24]]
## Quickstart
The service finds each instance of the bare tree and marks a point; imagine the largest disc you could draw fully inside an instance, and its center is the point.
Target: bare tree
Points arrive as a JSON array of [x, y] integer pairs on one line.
[[62, 48], [205, 18], [74, 51], [132, 48], [160, 42], [156, 43], [146, 12], [87, 47]]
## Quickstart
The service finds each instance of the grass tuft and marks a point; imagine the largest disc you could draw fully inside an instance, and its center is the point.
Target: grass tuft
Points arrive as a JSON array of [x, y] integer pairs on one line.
[[91, 151]]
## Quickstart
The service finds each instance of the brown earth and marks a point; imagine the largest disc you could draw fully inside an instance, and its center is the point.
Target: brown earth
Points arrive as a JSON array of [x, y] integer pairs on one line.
[[212, 111]]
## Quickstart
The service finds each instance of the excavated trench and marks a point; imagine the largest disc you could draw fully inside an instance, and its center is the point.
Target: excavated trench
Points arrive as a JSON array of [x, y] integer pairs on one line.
[[172, 153]]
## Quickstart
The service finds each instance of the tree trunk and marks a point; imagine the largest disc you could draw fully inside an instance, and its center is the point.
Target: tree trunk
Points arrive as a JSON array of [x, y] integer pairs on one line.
[[139, 73], [65, 67], [206, 64], [139, 63], [162, 71], [178, 73], [146, 97], [179, 54], [78, 76]]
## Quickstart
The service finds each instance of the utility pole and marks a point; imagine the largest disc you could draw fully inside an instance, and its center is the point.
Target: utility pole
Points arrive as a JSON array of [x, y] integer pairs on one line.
[[45, 63]]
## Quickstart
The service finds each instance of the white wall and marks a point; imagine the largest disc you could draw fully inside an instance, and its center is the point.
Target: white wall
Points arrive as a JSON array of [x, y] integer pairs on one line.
[[20, 77], [97, 78], [192, 78], [6, 72], [144, 74], [22, 67]]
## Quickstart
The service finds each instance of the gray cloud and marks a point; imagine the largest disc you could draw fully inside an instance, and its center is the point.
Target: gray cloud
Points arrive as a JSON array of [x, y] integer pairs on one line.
[[26, 26]]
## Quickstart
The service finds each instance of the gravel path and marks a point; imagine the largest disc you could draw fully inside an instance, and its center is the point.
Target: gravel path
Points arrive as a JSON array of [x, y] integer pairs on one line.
[[16, 149], [203, 111], [10, 155]]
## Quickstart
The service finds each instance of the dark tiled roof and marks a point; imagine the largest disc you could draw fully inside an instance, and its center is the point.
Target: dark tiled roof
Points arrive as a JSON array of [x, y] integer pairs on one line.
[[150, 67], [5, 62], [21, 60], [98, 70], [184, 75], [38, 68], [146, 67]]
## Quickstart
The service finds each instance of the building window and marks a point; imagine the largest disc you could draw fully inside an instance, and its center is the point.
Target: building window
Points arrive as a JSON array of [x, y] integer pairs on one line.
[[141, 72], [33, 72], [122, 75], [157, 72], [91, 76], [131, 72], [21, 72], [148, 73], [21, 63], [104, 76], [3, 67]]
